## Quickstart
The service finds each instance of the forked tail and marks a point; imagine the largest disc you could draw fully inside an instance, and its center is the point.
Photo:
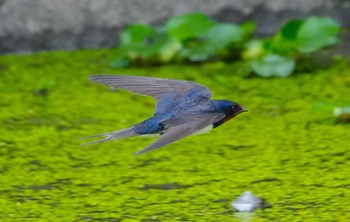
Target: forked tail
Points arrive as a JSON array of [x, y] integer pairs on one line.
[[129, 132]]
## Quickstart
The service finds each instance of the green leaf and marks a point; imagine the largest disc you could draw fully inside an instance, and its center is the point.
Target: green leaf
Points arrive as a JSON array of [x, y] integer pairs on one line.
[[284, 42], [248, 28], [273, 65], [211, 43], [317, 33], [306, 36], [290, 30], [135, 34], [220, 35], [198, 53], [188, 26], [161, 48], [147, 47]]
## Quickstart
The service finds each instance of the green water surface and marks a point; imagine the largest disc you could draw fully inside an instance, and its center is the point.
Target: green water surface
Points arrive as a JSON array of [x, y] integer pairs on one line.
[[287, 149]]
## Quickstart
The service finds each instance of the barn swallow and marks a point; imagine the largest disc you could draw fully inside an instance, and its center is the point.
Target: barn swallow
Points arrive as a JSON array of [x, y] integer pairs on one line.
[[183, 108]]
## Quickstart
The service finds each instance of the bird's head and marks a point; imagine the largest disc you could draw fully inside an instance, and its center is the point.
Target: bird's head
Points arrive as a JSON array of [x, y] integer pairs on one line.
[[231, 109], [228, 107], [234, 109]]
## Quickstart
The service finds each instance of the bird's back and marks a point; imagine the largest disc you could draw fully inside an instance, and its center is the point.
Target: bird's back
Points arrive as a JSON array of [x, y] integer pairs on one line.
[[192, 101]]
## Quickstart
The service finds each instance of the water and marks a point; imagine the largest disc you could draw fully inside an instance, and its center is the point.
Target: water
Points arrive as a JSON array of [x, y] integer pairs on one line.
[[286, 149]]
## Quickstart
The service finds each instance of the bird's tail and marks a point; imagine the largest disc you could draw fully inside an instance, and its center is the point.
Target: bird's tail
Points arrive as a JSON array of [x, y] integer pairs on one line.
[[129, 132]]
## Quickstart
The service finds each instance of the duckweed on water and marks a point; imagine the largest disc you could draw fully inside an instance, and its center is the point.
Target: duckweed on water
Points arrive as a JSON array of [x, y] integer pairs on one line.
[[287, 149]]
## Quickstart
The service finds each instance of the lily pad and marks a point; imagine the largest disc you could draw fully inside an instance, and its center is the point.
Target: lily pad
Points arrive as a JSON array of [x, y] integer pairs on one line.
[[274, 65], [188, 26]]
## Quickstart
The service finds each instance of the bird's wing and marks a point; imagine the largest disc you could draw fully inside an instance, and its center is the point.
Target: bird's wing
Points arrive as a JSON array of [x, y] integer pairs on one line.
[[155, 87], [164, 90], [184, 128]]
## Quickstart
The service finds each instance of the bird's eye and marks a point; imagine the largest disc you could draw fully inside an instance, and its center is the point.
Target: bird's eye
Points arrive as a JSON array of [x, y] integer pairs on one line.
[[233, 107]]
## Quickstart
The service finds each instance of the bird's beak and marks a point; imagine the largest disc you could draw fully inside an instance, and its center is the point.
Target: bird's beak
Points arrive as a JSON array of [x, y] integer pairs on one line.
[[244, 110]]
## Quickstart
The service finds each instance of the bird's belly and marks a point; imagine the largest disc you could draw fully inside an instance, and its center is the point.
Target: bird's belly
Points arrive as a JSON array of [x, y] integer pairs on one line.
[[204, 130]]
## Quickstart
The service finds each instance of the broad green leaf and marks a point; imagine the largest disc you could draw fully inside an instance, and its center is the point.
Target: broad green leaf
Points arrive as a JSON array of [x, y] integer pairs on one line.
[[274, 65], [198, 53], [316, 33], [211, 43], [278, 45], [248, 28], [153, 47], [135, 34], [290, 30], [220, 35], [188, 26], [162, 48], [284, 42]]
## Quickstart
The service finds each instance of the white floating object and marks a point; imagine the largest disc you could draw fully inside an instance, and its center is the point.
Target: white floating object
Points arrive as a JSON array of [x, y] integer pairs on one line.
[[248, 202]]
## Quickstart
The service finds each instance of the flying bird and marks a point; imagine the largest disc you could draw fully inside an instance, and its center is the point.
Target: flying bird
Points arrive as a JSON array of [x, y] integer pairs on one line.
[[183, 108]]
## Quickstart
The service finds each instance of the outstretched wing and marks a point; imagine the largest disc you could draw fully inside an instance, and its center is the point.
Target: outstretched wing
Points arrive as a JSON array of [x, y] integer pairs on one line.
[[164, 90], [185, 128]]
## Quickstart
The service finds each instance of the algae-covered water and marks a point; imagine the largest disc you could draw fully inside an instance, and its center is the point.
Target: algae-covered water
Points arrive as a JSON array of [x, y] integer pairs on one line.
[[287, 149]]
